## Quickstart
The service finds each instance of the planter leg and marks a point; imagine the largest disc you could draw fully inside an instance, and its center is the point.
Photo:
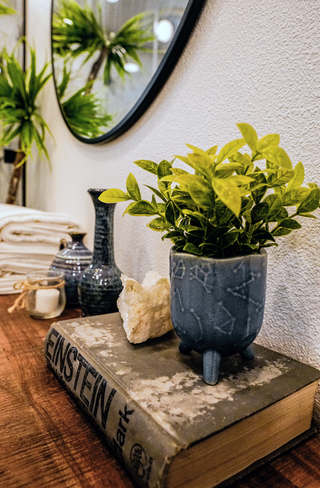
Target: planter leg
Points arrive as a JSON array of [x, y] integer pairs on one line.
[[184, 349], [211, 364], [247, 353]]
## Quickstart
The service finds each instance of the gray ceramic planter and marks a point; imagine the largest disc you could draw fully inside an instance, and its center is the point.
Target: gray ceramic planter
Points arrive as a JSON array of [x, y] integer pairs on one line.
[[217, 305]]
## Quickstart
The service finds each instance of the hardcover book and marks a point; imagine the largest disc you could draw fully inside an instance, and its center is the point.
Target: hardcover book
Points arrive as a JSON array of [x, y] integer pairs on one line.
[[166, 425]]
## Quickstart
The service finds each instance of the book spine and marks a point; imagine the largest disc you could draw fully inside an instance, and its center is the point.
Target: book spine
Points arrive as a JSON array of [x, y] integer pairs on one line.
[[140, 444]]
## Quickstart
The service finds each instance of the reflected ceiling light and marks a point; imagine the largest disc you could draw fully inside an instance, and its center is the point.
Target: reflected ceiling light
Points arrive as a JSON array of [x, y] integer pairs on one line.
[[164, 30], [112, 1], [131, 67], [68, 21]]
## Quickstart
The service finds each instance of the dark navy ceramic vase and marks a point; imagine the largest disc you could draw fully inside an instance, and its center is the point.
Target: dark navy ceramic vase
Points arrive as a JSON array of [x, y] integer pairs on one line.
[[217, 305], [73, 259], [100, 284]]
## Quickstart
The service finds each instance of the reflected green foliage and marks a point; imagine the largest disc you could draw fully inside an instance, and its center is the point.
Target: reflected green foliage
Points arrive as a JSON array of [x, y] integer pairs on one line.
[[77, 30], [19, 114], [83, 110], [125, 44], [5, 10], [233, 203]]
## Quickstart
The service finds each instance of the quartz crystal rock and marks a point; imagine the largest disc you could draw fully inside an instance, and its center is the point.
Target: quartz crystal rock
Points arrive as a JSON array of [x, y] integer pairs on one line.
[[145, 308]]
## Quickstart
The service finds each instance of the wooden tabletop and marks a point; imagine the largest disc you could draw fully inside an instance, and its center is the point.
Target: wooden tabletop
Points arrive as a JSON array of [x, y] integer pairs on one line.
[[46, 441]]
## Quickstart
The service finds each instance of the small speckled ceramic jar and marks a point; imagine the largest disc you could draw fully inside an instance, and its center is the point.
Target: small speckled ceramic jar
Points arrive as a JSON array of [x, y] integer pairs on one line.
[[217, 305], [73, 260]]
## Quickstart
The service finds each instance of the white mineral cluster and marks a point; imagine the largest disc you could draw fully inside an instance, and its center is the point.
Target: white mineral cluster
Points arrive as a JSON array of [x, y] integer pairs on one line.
[[145, 308]]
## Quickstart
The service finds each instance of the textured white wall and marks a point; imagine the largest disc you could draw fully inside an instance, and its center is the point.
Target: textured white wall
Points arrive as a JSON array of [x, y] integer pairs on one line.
[[248, 61]]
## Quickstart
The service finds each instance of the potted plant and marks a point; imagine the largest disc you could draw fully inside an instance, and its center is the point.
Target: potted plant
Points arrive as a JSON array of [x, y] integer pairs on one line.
[[221, 218], [19, 114]]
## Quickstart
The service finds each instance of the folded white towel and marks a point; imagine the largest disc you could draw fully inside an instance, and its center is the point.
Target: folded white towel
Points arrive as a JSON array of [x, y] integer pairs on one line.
[[7, 282], [29, 248], [30, 226], [22, 263], [29, 240]]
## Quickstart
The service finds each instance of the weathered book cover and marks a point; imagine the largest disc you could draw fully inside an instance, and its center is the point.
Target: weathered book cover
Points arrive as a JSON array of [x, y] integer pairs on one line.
[[150, 401]]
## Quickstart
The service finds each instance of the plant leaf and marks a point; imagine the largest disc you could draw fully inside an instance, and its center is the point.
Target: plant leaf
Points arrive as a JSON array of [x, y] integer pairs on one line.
[[158, 224], [259, 212], [164, 169], [156, 192], [294, 197], [268, 141], [197, 150], [281, 232], [249, 135], [279, 178], [201, 192], [262, 235], [217, 232], [128, 208], [147, 165], [201, 163], [227, 240], [290, 224], [228, 194], [310, 216], [259, 188], [142, 208], [230, 149], [275, 205], [114, 195], [277, 156], [192, 249], [298, 177], [212, 151], [311, 203], [171, 212], [133, 188]]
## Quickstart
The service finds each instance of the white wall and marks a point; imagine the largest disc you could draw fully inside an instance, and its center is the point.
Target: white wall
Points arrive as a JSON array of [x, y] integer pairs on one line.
[[248, 61]]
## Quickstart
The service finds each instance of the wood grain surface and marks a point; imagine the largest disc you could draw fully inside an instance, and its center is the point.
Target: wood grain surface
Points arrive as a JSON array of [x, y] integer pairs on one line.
[[46, 441]]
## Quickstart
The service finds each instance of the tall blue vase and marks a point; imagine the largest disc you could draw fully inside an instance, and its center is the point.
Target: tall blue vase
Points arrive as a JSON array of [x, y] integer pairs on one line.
[[100, 284]]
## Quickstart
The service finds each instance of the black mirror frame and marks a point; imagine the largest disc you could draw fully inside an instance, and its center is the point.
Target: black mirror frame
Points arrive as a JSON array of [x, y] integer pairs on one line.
[[167, 65]]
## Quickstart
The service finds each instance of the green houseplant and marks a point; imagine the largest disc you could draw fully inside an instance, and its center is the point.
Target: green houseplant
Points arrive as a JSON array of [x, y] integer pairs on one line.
[[19, 113], [220, 218]]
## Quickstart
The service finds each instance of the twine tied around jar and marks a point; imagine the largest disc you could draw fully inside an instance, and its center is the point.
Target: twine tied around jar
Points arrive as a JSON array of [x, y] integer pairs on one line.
[[20, 302]]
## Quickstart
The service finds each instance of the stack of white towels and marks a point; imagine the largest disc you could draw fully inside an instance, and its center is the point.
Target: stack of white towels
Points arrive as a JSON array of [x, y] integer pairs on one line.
[[29, 240]]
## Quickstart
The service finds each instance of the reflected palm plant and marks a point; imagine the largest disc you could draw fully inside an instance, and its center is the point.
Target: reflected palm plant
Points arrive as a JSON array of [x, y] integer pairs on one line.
[[76, 30], [82, 110], [4, 10]]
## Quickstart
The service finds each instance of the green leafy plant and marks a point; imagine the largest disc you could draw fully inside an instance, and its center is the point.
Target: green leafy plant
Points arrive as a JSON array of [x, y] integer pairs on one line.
[[77, 30], [19, 114], [82, 109], [4, 10], [233, 203]]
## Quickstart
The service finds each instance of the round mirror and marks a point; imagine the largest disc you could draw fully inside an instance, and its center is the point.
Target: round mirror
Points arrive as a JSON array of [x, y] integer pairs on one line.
[[111, 58]]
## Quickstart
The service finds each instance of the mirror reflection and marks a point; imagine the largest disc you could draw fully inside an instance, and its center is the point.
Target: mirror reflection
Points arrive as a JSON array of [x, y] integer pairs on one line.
[[105, 53]]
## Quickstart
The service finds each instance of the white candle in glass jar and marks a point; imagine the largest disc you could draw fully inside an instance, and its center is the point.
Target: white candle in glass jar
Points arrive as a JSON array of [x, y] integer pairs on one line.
[[47, 301]]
